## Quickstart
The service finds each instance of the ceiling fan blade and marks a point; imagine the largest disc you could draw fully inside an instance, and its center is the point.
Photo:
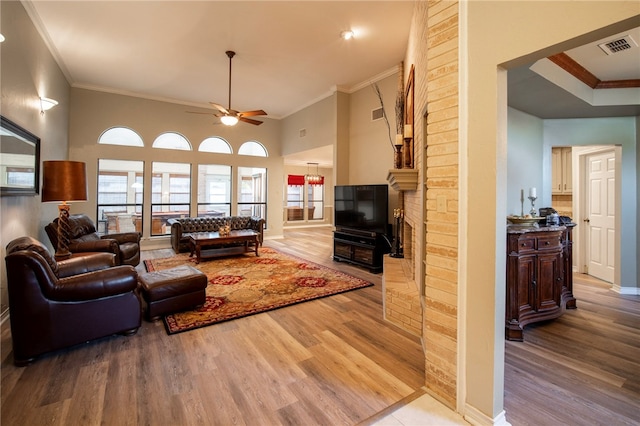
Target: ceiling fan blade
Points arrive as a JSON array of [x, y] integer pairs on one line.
[[198, 112], [250, 121], [252, 113], [219, 107]]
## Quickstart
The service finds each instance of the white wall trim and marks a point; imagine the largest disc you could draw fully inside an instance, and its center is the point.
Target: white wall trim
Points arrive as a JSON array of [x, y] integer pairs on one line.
[[476, 417]]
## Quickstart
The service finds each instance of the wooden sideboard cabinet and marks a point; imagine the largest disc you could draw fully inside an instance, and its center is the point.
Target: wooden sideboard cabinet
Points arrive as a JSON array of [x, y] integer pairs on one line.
[[539, 276]]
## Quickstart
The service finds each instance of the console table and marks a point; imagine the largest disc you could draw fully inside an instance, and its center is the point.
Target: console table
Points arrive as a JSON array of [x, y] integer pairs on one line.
[[539, 276]]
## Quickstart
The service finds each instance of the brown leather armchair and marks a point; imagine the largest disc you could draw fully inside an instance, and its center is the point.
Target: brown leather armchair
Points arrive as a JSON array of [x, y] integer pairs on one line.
[[84, 238], [54, 305]]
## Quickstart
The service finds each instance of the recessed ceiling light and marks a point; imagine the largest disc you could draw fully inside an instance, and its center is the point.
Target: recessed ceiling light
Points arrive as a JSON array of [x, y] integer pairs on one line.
[[1, 38], [347, 35]]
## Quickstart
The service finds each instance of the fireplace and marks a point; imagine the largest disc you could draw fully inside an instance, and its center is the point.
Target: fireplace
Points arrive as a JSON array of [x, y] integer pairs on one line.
[[401, 295]]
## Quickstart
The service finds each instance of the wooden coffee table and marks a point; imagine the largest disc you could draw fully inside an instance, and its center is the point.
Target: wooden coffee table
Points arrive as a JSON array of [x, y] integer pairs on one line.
[[205, 244]]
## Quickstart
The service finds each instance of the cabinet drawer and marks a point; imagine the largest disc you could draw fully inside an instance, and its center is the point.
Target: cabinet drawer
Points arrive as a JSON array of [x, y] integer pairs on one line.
[[522, 244], [548, 243], [363, 255], [343, 250]]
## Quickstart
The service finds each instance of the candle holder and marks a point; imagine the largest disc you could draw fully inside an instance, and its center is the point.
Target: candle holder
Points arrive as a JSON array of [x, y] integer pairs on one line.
[[532, 212]]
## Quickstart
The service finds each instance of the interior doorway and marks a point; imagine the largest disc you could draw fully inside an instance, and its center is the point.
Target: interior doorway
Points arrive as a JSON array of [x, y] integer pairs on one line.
[[600, 213], [597, 212]]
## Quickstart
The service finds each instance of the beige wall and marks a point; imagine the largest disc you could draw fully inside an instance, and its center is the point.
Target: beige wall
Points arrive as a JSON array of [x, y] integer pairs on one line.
[[29, 71], [512, 29], [94, 112], [369, 142], [317, 120]]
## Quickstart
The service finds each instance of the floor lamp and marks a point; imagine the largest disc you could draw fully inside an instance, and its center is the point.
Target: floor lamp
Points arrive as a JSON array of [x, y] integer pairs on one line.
[[63, 181]]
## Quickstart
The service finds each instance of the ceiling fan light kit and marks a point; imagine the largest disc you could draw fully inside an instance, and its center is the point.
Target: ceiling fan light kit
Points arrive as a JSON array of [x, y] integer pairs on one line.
[[229, 120]]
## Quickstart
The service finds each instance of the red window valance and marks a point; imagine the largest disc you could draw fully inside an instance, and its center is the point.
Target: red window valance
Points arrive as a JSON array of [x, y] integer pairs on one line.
[[295, 180]]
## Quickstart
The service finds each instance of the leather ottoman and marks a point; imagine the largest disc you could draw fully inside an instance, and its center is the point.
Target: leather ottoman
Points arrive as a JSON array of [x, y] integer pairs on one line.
[[172, 290]]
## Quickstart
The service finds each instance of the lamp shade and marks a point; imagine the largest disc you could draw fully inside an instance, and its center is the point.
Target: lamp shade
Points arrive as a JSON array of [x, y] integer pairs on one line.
[[64, 181]]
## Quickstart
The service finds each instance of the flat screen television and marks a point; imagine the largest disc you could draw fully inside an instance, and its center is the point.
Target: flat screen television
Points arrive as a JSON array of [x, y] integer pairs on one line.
[[362, 207]]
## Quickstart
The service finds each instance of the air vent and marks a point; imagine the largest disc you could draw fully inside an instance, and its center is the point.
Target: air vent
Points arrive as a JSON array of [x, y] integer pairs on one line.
[[303, 133], [618, 45], [377, 114]]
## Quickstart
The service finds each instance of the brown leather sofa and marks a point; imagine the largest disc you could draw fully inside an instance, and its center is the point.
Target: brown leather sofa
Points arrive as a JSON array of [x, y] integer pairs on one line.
[[185, 225], [54, 305], [84, 238]]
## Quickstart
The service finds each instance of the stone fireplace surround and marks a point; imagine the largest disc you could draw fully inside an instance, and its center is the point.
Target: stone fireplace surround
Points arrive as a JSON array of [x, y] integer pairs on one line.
[[401, 296]]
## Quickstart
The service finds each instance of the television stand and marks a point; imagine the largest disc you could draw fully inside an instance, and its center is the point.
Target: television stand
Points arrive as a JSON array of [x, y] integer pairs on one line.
[[362, 248]]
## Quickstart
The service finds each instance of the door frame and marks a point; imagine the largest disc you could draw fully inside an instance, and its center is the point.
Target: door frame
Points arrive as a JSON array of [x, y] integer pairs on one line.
[[580, 175]]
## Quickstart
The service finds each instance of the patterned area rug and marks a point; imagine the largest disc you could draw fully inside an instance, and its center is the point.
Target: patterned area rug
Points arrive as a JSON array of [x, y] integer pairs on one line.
[[245, 285]]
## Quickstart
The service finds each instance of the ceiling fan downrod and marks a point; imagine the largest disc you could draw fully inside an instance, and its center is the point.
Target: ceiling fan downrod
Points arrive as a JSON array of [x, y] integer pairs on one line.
[[230, 54]]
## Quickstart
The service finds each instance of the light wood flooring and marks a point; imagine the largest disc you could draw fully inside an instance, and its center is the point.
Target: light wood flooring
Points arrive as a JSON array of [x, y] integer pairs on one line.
[[332, 361], [580, 369]]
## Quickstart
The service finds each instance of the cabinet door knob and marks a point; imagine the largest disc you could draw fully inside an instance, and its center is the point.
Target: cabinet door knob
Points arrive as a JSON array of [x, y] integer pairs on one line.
[[586, 220], [546, 243]]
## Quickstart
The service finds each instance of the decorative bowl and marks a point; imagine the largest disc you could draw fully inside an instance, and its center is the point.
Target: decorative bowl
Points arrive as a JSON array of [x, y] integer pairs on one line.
[[518, 220]]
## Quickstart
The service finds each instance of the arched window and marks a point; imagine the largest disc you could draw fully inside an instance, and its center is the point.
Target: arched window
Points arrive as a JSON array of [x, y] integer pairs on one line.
[[215, 144], [253, 148], [120, 136], [172, 140]]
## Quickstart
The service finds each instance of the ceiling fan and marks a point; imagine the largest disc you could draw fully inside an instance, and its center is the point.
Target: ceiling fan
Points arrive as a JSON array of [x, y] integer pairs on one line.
[[229, 116]]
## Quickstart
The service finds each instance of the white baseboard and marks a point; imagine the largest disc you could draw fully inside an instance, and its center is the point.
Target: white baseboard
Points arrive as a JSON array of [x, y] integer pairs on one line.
[[627, 291], [476, 417]]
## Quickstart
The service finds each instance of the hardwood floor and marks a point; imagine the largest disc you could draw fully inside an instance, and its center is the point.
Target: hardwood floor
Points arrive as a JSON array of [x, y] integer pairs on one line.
[[332, 361], [580, 369]]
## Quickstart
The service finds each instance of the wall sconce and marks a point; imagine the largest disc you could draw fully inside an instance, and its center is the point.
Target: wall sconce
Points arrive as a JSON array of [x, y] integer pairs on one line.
[[46, 104], [63, 181]]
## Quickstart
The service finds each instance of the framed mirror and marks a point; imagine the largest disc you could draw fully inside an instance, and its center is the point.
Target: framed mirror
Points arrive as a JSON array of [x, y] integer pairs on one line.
[[19, 160]]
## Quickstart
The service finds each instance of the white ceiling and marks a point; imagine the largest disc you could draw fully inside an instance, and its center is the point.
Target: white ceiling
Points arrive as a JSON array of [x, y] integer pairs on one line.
[[289, 54], [624, 65]]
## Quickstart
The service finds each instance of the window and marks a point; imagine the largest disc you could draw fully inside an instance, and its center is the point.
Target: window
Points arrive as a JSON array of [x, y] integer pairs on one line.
[[172, 140], [252, 187], [215, 144], [253, 148], [170, 194], [315, 201], [20, 177], [295, 197], [120, 136], [297, 187], [214, 190], [120, 196]]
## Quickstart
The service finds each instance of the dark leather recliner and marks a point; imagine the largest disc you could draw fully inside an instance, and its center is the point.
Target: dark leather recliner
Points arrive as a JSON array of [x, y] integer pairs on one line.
[[54, 305], [85, 238]]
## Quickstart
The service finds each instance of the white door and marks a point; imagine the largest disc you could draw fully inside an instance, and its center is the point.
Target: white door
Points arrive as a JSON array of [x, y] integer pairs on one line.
[[600, 215]]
